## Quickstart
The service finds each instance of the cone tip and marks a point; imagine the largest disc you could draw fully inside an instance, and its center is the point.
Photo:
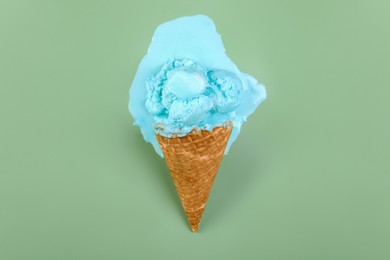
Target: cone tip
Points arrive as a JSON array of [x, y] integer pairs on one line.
[[194, 228]]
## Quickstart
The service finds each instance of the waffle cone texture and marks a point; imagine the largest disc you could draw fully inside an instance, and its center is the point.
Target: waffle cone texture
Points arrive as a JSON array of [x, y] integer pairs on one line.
[[193, 161]]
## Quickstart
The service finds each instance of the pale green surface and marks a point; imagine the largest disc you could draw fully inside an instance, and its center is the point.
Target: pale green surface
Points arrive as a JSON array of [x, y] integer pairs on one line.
[[309, 177]]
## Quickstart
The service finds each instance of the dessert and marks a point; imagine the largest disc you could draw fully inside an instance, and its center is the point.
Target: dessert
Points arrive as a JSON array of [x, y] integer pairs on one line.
[[190, 101]]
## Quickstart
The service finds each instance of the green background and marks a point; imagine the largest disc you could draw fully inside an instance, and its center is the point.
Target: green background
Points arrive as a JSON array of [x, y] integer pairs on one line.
[[308, 178]]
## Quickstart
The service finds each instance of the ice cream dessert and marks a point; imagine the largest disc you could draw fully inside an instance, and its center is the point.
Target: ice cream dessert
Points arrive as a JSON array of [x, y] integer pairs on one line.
[[190, 101]]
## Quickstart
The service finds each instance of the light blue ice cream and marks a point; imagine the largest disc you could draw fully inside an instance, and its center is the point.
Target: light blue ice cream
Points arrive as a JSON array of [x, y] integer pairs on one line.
[[187, 81]]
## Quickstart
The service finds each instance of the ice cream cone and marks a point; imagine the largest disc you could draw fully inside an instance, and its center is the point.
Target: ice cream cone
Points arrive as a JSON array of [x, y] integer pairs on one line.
[[193, 161]]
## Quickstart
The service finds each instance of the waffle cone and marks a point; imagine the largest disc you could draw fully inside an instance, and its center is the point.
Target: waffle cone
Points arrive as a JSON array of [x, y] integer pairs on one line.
[[193, 161]]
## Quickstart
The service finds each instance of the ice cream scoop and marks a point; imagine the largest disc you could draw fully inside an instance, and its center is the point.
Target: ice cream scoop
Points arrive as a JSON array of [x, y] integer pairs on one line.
[[187, 81], [190, 101]]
